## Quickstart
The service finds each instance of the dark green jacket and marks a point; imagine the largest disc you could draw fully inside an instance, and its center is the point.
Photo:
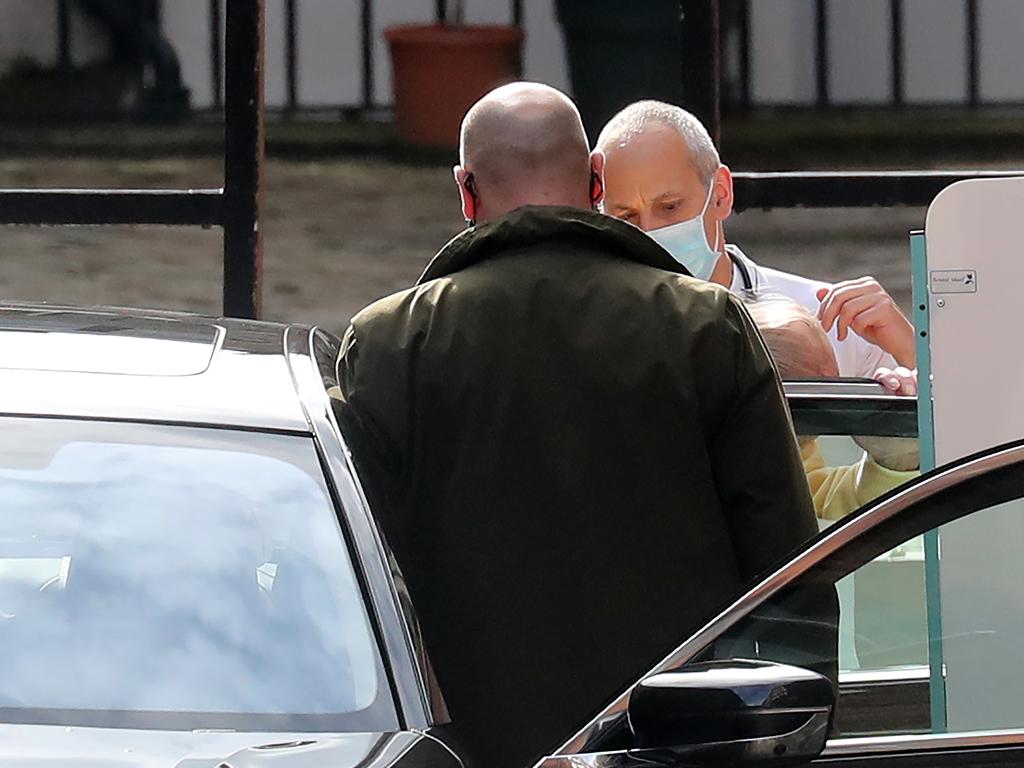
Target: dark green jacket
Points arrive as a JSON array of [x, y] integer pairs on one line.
[[578, 455]]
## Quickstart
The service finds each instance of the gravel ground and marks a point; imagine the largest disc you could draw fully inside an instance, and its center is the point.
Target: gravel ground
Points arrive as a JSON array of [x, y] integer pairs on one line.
[[342, 233]]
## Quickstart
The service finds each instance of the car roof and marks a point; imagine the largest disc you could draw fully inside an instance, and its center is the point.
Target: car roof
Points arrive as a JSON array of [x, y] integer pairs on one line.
[[147, 365]]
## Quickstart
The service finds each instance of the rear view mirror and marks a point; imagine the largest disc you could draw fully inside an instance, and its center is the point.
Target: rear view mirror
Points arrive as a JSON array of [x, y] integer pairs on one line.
[[732, 713]]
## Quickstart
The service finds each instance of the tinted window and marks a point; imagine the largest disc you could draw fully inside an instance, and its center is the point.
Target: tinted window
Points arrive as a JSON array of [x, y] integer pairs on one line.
[[930, 620], [177, 578]]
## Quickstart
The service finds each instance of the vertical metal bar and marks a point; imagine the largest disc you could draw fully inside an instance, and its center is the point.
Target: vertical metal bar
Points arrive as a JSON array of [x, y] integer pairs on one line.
[[517, 21], [369, 74], [243, 158], [291, 54], [746, 97], [973, 57], [701, 62], [216, 55], [821, 52], [64, 35], [897, 53], [441, 11]]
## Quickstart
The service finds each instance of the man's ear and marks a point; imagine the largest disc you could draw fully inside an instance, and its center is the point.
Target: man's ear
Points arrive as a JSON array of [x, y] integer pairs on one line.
[[597, 179], [722, 197], [464, 181]]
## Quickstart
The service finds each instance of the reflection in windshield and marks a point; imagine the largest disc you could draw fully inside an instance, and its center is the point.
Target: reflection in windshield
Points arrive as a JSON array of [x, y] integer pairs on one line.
[[176, 570]]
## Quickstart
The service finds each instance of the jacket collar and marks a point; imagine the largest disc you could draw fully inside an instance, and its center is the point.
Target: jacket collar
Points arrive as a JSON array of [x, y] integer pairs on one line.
[[532, 225]]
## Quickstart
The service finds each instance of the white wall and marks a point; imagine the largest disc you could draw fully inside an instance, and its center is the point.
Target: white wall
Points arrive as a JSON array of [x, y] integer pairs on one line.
[[783, 54], [935, 35], [860, 40], [782, 51], [1002, 60]]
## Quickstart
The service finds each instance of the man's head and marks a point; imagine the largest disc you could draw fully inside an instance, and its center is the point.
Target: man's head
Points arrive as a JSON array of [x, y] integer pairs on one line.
[[524, 144], [661, 168], [795, 338]]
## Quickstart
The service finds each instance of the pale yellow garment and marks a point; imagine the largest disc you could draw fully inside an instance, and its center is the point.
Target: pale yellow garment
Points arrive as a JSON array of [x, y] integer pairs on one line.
[[838, 491]]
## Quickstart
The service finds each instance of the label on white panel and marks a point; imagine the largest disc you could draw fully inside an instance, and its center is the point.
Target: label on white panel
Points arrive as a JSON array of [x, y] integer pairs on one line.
[[953, 281]]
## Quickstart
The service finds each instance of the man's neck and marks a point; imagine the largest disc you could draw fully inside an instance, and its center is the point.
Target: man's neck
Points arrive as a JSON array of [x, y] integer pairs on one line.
[[722, 274]]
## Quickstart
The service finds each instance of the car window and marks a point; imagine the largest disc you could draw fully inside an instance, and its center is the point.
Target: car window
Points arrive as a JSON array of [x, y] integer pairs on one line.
[[179, 578], [857, 444], [930, 621]]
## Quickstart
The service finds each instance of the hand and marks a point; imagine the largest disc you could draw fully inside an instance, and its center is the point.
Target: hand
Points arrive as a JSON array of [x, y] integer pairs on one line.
[[865, 307], [899, 381], [900, 454]]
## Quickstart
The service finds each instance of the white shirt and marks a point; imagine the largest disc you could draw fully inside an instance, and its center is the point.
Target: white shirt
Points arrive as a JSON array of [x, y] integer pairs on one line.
[[857, 358]]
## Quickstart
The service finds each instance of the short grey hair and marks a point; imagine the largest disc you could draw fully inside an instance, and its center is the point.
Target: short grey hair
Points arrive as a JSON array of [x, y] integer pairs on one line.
[[632, 120]]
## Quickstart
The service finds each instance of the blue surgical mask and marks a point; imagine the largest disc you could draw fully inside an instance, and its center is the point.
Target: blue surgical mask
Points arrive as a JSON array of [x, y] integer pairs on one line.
[[688, 244]]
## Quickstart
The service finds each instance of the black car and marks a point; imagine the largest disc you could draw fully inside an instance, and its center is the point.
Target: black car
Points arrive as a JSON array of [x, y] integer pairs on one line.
[[190, 575]]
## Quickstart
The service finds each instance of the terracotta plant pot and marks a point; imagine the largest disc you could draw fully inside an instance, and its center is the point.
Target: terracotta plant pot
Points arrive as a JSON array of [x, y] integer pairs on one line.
[[439, 71]]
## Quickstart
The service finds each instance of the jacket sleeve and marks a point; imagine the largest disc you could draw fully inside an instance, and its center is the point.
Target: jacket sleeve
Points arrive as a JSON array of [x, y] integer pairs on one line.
[[374, 453], [759, 474]]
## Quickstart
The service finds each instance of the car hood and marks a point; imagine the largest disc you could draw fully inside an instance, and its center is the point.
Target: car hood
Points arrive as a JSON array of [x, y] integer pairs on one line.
[[44, 746]]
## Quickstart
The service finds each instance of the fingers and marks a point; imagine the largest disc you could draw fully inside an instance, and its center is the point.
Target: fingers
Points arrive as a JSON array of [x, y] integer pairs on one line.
[[840, 293], [858, 313], [899, 381]]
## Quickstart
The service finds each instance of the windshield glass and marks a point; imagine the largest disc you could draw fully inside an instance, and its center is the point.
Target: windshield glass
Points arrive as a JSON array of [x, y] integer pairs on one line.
[[180, 578]]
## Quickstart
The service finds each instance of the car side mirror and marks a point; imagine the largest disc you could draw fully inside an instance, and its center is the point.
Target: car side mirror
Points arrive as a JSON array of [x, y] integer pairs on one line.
[[732, 713]]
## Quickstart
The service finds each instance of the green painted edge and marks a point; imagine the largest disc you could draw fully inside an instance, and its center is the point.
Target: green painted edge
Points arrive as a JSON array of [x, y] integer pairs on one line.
[[926, 437]]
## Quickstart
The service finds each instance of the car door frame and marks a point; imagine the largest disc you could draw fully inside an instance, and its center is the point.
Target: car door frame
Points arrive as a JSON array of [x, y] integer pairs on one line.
[[907, 511]]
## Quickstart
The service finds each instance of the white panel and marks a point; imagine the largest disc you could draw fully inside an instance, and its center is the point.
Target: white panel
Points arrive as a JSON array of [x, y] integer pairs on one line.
[[388, 13], [1002, 57], [935, 35], [274, 62], [187, 26], [976, 226], [330, 53], [860, 37], [544, 53], [782, 51], [28, 28]]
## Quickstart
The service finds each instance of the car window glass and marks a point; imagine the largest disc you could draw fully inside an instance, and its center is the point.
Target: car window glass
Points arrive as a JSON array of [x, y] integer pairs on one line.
[[925, 645], [178, 578]]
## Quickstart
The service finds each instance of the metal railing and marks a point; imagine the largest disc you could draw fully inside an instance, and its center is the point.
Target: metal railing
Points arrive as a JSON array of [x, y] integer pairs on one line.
[[292, 10], [235, 207], [897, 54]]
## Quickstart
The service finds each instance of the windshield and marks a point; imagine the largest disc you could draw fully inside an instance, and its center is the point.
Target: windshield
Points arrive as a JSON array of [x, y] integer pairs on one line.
[[177, 578]]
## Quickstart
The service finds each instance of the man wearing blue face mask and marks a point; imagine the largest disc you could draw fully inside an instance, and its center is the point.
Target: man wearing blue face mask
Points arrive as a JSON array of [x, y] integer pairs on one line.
[[663, 174]]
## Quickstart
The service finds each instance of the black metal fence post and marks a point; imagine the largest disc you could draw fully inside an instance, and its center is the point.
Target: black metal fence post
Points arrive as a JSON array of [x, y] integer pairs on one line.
[[291, 49], [216, 55], [517, 21], [243, 159], [973, 55], [369, 74], [701, 64], [746, 42], [822, 88], [64, 35], [897, 51]]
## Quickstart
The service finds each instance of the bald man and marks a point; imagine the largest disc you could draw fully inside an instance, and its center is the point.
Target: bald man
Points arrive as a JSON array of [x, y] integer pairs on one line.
[[568, 495]]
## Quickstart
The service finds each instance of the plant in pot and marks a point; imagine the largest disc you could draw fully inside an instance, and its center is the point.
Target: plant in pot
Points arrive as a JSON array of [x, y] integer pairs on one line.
[[439, 70]]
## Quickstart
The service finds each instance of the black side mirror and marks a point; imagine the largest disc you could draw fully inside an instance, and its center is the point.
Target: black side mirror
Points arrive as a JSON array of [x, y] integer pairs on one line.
[[732, 713]]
